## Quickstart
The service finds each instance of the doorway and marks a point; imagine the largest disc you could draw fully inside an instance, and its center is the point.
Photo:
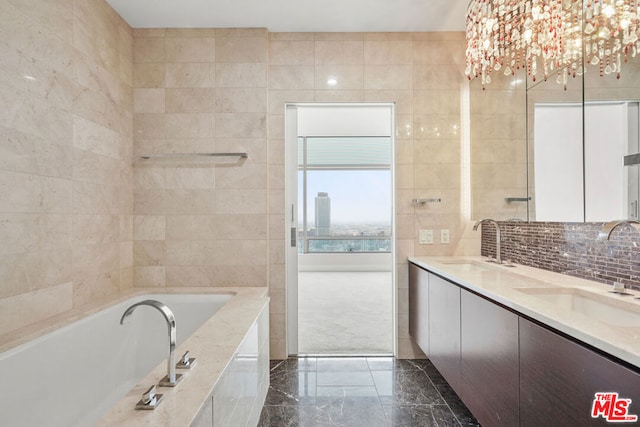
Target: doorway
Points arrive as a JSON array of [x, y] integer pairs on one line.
[[340, 229]]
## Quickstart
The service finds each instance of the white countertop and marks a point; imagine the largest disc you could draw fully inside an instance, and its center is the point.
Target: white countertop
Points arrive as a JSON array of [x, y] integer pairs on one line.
[[530, 291]]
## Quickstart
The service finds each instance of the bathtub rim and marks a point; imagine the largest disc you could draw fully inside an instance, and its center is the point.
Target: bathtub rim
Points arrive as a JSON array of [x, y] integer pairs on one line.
[[43, 327], [229, 326]]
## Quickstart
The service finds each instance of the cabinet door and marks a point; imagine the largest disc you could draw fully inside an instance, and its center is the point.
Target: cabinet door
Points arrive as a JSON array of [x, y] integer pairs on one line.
[[559, 379], [489, 361], [444, 328], [419, 307]]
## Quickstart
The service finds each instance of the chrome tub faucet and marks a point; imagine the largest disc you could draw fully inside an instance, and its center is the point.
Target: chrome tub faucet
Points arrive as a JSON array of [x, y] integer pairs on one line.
[[498, 235], [172, 378]]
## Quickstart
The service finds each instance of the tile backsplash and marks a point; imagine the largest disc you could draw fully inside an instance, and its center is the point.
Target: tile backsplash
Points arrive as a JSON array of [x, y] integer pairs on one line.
[[569, 248]]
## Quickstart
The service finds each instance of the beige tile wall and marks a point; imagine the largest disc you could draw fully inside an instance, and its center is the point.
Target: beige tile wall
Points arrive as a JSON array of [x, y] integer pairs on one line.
[[200, 223], [498, 146], [225, 90], [66, 197], [83, 96], [191, 223], [423, 74]]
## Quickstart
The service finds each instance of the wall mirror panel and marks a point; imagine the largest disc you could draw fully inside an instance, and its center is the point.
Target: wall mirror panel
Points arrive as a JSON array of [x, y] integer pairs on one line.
[[554, 143], [579, 139], [498, 147], [622, 94], [565, 147]]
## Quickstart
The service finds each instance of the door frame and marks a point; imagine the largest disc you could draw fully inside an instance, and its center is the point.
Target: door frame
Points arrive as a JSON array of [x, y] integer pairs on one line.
[[291, 219]]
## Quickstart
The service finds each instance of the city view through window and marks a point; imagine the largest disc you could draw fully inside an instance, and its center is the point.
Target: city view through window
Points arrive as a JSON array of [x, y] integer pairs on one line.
[[347, 211]]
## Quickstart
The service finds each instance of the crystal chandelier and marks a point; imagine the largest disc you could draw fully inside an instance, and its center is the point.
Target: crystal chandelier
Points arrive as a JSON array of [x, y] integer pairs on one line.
[[547, 37]]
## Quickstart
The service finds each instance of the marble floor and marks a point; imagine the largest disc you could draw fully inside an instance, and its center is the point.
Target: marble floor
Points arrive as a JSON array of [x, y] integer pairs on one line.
[[360, 391]]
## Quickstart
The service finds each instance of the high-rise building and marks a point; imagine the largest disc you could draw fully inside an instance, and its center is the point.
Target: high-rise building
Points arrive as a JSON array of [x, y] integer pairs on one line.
[[323, 214]]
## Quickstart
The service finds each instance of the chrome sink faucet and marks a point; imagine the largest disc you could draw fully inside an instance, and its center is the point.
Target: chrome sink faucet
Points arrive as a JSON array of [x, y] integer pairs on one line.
[[498, 235], [608, 227], [171, 379], [605, 234]]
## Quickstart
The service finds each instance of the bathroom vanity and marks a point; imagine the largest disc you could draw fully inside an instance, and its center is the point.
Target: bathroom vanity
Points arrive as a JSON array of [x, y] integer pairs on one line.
[[523, 346]]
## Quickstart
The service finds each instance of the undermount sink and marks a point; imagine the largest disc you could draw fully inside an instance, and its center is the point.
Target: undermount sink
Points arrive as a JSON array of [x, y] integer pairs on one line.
[[606, 308], [468, 266]]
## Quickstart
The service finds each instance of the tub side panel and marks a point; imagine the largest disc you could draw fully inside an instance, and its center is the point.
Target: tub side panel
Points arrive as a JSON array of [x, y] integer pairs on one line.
[[240, 394]]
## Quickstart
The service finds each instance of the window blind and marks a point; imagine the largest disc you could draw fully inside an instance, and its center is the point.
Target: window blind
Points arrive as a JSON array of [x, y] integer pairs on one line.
[[345, 152]]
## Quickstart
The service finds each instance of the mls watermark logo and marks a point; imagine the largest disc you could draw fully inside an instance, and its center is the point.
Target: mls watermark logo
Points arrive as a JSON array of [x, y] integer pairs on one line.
[[612, 408]]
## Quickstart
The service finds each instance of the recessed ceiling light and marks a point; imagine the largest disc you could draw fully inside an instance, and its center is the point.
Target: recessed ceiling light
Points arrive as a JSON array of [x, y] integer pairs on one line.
[[332, 81]]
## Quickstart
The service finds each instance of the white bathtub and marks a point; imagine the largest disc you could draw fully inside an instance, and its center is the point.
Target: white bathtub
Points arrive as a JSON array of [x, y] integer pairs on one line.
[[75, 374]]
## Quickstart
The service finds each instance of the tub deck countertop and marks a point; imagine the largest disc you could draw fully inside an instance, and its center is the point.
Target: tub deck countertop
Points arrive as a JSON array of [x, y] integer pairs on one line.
[[520, 288], [213, 344]]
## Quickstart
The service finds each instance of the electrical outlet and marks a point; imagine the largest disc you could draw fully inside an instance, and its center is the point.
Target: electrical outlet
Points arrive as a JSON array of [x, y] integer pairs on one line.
[[444, 236], [426, 237]]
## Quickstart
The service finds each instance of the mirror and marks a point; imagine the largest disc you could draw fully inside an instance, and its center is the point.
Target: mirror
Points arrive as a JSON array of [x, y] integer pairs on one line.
[[578, 141], [579, 174], [555, 164], [625, 92], [498, 147], [580, 146]]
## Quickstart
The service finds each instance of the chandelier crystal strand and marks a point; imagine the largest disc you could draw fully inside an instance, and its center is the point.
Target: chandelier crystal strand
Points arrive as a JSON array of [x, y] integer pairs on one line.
[[550, 36]]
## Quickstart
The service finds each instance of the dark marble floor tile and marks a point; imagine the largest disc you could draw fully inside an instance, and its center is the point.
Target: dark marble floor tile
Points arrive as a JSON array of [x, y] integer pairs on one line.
[[434, 375], [382, 363], [419, 416], [346, 391], [292, 388], [294, 364], [417, 364], [391, 363], [342, 364], [361, 391], [458, 408], [406, 387], [350, 412], [345, 378], [288, 416]]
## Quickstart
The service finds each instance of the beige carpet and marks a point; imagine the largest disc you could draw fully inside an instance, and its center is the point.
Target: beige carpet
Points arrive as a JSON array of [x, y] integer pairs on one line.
[[345, 313]]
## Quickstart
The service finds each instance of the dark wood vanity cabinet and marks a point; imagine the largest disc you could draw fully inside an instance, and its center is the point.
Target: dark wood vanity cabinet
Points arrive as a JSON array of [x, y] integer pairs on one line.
[[444, 328], [489, 361], [507, 369], [419, 307], [559, 379]]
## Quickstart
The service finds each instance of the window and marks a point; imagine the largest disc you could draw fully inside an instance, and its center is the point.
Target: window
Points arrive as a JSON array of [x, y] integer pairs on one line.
[[344, 194]]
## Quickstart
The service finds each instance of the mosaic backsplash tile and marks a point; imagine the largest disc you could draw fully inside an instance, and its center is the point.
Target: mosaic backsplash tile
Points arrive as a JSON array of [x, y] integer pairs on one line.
[[569, 248]]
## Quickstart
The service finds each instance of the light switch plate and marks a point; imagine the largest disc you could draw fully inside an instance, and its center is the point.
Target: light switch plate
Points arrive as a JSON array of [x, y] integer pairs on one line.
[[426, 237], [444, 236]]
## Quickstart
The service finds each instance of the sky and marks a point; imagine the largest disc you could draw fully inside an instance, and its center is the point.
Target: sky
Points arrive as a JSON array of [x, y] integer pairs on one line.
[[356, 196]]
